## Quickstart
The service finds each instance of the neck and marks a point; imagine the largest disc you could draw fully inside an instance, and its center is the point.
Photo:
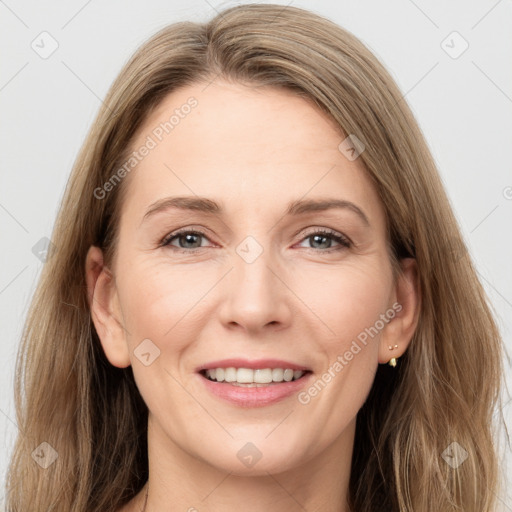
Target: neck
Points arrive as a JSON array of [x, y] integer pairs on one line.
[[180, 481]]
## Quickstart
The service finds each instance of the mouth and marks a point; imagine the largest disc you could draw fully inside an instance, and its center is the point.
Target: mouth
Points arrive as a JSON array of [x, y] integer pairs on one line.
[[253, 378], [259, 386]]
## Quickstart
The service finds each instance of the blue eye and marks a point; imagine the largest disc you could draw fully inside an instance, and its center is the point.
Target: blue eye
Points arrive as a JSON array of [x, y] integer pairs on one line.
[[190, 240], [321, 237], [188, 237]]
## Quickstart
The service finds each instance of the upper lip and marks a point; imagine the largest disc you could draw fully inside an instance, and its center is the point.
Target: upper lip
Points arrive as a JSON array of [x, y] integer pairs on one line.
[[253, 364]]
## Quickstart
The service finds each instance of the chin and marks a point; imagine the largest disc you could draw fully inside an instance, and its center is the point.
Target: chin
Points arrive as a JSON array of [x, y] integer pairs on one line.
[[255, 459]]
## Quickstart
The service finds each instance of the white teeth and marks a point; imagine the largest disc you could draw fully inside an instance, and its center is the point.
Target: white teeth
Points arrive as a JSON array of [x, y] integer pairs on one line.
[[263, 376], [245, 375], [229, 374], [249, 376], [277, 374]]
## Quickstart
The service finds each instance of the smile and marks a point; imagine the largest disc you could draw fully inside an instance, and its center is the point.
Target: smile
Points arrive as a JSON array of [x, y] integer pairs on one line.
[[249, 377], [264, 383]]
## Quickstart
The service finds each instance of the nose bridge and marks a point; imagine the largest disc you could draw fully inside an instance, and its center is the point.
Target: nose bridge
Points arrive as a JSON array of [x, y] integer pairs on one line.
[[255, 295], [252, 276]]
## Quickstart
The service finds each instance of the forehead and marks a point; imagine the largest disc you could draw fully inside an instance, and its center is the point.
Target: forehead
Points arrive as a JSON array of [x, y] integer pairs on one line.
[[245, 145]]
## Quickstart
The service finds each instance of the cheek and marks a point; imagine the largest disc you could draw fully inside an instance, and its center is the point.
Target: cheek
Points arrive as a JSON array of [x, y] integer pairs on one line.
[[351, 303], [161, 304], [156, 298], [159, 300], [346, 300]]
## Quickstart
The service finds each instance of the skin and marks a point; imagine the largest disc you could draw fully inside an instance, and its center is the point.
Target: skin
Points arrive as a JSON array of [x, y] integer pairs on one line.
[[253, 151]]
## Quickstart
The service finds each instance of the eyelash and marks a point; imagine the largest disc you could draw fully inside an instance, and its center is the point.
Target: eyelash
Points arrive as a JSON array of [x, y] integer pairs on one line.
[[344, 242]]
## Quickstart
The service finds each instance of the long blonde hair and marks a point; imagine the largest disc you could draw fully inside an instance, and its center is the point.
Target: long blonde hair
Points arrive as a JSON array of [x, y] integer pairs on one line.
[[444, 389]]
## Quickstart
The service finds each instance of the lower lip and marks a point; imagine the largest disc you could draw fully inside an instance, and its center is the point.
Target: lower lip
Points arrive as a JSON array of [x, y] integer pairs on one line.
[[255, 396]]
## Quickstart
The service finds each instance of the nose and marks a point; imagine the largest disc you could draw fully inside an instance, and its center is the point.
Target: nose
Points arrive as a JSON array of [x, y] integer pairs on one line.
[[255, 294]]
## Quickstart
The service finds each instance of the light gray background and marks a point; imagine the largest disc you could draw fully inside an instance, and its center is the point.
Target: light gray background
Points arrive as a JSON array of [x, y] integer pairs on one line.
[[463, 105]]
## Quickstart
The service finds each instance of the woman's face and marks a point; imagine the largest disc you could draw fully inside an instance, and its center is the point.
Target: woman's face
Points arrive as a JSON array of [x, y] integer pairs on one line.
[[260, 276]]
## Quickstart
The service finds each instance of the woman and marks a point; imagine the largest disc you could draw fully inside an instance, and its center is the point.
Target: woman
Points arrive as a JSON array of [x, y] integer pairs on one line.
[[249, 371]]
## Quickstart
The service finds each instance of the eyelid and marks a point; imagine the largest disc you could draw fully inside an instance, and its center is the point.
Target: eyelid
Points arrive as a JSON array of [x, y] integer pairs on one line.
[[187, 230], [328, 231], [343, 240]]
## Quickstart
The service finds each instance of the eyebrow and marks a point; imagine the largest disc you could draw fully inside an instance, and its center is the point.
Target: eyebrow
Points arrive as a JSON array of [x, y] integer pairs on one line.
[[208, 206]]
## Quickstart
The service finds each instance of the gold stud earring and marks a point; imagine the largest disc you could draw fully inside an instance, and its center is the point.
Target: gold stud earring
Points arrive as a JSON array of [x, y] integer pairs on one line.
[[392, 361]]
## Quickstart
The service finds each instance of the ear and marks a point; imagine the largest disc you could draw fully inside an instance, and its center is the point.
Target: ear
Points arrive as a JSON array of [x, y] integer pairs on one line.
[[105, 310], [406, 302]]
